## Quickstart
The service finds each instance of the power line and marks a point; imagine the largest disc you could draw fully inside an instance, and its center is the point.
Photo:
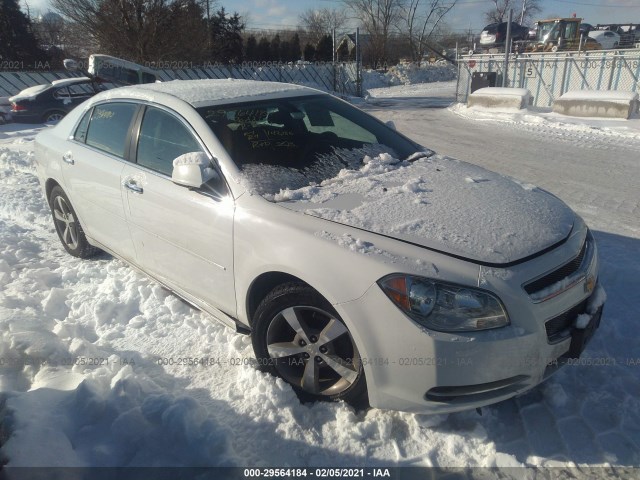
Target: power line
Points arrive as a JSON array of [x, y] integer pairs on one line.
[[597, 4]]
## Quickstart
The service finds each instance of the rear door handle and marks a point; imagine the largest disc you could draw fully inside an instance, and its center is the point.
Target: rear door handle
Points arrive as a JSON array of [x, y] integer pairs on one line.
[[68, 158], [133, 186]]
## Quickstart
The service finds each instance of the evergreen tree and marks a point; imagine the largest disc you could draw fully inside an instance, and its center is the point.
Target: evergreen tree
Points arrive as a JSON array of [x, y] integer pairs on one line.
[[275, 48], [324, 49], [285, 51], [17, 41], [264, 50], [309, 53], [294, 48], [251, 49], [226, 39]]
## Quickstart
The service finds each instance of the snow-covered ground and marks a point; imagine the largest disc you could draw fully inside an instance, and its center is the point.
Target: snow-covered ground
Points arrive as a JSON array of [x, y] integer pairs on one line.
[[544, 118], [95, 358]]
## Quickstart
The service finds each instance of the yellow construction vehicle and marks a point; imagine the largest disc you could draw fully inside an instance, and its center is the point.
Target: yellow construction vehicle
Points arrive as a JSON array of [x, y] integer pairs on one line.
[[561, 34]]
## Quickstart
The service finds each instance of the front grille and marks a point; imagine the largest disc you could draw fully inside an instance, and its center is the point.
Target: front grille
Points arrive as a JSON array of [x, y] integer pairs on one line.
[[558, 327], [557, 275]]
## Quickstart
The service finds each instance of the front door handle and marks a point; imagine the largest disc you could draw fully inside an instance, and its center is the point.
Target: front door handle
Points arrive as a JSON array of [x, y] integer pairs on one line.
[[133, 186], [68, 158]]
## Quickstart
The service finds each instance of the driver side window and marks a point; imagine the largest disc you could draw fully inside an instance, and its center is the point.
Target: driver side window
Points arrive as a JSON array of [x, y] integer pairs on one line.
[[162, 139]]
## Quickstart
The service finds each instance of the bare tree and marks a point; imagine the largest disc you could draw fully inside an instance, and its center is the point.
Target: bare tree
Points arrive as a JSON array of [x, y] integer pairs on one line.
[[422, 18], [377, 17], [319, 23], [530, 8], [524, 10], [500, 10], [49, 29], [139, 30]]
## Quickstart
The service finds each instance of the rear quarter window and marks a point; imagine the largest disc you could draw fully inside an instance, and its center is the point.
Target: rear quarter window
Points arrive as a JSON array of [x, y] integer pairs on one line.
[[80, 134], [109, 127]]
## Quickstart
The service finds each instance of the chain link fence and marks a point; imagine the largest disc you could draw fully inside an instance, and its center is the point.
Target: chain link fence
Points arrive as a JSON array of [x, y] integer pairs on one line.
[[548, 75], [340, 78]]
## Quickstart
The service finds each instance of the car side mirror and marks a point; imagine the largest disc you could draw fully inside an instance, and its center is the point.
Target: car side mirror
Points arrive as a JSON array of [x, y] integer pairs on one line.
[[391, 124], [192, 169]]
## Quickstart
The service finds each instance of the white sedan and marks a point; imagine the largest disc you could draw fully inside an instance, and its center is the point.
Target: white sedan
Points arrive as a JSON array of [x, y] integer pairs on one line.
[[606, 38], [364, 266]]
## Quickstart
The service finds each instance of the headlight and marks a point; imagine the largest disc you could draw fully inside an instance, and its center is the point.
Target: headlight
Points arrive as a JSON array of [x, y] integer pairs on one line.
[[443, 306]]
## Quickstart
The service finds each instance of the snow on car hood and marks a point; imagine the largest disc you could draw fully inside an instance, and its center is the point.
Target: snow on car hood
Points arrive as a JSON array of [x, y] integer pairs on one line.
[[439, 203]]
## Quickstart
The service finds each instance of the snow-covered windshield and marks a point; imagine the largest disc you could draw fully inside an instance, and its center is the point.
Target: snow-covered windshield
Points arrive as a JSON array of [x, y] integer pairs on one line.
[[293, 142]]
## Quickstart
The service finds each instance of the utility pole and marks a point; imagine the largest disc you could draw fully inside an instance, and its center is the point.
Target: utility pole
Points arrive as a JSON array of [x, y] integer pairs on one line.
[[507, 49], [358, 69], [208, 27]]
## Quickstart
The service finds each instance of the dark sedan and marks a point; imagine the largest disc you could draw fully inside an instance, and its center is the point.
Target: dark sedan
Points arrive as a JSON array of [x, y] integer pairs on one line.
[[51, 102]]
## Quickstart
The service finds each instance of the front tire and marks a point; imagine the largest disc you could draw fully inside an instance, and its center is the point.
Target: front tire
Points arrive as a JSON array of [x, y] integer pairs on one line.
[[298, 336], [68, 227]]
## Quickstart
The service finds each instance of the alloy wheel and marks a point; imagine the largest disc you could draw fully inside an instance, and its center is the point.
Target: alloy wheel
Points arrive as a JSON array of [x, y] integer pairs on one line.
[[54, 117], [65, 222], [313, 350]]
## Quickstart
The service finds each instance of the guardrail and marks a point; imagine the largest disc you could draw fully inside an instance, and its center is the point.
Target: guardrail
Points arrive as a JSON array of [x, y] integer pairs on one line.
[[548, 75]]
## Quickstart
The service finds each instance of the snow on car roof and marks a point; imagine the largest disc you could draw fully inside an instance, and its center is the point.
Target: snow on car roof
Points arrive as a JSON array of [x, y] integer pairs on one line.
[[69, 81], [610, 95], [200, 93]]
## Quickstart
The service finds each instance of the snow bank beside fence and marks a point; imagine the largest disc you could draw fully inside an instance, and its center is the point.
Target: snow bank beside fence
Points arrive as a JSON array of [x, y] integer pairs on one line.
[[408, 75]]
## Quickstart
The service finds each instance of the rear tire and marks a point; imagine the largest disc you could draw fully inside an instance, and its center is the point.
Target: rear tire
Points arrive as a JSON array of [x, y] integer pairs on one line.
[[53, 117], [298, 336], [68, 227]]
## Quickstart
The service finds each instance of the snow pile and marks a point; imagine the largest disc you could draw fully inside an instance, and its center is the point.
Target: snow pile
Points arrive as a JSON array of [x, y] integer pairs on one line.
[[500, 98], [608, 95], [594, 103], [114, 417], [89, 403], [441, 203], [565, 126], [408, 75]]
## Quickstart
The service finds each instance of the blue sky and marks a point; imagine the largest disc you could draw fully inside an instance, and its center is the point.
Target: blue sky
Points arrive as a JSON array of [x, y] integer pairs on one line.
[[270, 14]]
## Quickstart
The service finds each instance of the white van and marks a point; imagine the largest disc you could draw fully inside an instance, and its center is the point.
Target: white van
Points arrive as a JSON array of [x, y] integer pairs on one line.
[[120, 72]]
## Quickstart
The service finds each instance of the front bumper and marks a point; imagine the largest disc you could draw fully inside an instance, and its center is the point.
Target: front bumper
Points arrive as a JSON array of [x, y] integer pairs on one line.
[[411, 368], [26, 117]]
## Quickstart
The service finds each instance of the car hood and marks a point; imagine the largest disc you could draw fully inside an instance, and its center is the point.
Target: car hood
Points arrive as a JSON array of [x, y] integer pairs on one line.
[[441, 204]]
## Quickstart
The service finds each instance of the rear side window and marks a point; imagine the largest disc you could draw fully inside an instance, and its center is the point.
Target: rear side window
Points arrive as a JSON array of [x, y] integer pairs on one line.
[[80, 90], [61, 93], [163, 138], [83, 126], [109, 127], [148, 77]]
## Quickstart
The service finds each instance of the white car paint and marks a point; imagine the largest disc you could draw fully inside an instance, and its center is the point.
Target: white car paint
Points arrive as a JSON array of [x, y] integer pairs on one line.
[[606, 38], [211, 250]]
